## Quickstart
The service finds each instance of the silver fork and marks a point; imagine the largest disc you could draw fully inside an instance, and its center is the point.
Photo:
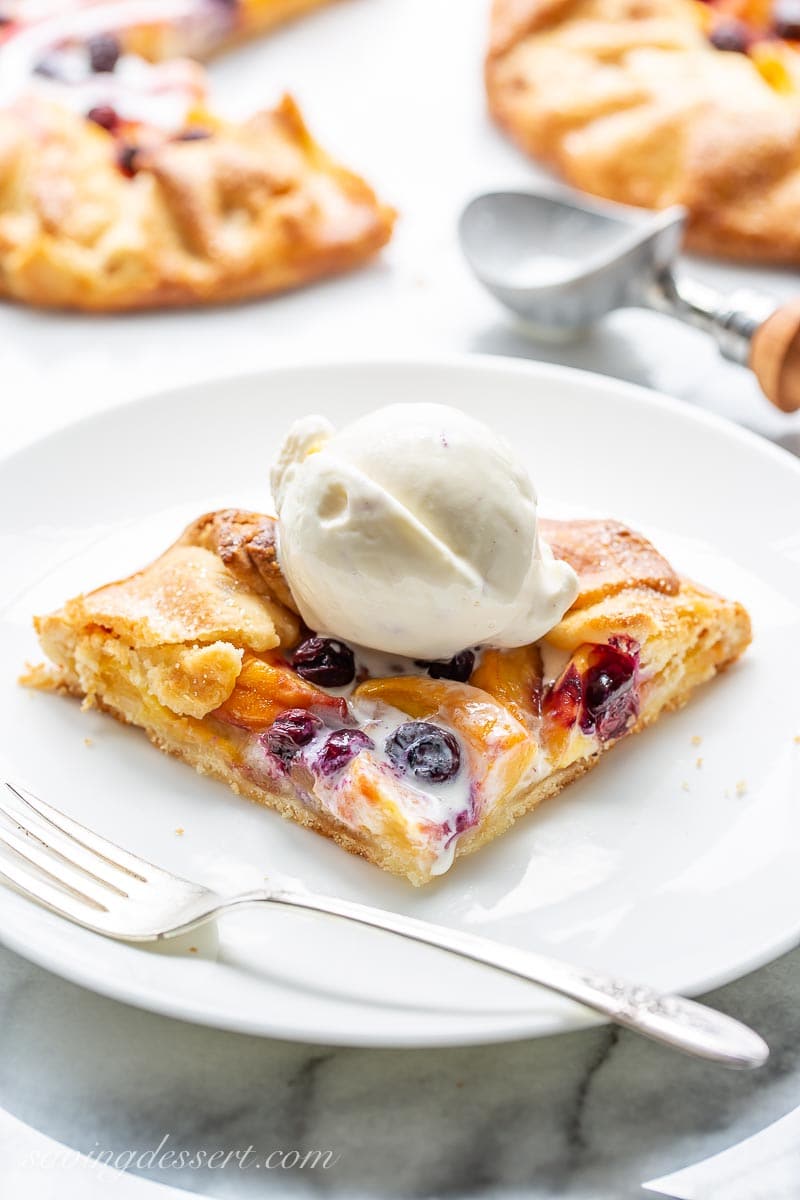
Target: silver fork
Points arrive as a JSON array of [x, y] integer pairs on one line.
[[102, 887]]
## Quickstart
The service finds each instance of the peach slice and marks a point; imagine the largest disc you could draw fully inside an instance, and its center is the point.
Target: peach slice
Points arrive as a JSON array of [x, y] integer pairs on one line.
[[514, 679], [266, 688], [774, 63], [372, 797]]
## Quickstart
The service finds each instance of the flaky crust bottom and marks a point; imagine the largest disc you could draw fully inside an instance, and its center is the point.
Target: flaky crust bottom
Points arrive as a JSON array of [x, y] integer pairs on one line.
[[714, 650], [156, 648], [211, 762], [628, 100]]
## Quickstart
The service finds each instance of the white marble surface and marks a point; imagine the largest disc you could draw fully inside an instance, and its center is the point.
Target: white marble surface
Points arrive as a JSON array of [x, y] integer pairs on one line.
[[394, 85]]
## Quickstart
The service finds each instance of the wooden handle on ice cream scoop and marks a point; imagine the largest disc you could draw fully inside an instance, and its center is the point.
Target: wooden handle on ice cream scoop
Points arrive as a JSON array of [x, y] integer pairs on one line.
[[775, 356]]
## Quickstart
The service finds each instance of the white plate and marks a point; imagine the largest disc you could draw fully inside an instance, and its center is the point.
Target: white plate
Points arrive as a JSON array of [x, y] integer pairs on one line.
[[678, 873]]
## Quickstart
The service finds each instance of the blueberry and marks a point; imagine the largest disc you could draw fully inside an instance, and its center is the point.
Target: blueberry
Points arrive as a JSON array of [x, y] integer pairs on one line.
[[459, 667], [731, 35], [289, 732], [426, 750], [104, 116], [325, 662], [341, 747], [611, 699], [600, 686], [104, 51]]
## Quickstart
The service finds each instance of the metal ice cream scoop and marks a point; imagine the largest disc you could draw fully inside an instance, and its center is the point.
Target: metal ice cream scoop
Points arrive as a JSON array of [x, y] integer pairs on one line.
[[562, 261]]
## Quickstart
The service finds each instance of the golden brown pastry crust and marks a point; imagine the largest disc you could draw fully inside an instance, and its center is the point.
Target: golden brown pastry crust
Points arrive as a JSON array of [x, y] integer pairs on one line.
[[608, 557], [246, 544], [627, 99], [100, 652], [256, 208]]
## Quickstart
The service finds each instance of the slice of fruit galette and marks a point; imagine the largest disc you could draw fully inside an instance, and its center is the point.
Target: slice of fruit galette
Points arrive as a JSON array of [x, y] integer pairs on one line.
[[107, 214], [122, 188], [406, 763]]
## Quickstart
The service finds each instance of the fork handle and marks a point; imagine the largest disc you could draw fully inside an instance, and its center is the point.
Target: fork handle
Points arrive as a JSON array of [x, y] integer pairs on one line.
[[683, 1024]]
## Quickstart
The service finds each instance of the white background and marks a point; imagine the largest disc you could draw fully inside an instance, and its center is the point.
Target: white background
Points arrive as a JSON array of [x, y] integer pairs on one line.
[[394, 88]]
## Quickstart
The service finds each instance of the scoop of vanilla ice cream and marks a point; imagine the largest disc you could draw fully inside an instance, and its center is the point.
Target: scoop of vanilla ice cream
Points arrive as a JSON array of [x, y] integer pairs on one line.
[[413, 531]]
